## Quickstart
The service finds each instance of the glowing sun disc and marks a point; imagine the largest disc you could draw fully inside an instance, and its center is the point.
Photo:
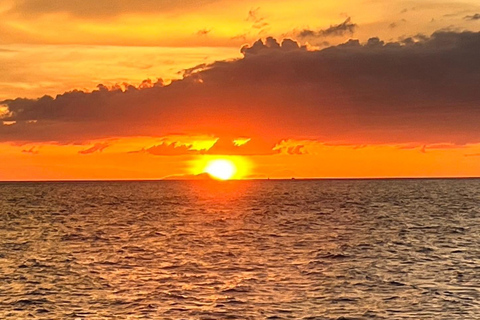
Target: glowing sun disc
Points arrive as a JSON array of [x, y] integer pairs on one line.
[[221, 169]]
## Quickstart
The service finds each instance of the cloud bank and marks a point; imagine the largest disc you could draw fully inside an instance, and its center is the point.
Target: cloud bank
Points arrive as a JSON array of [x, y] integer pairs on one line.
[[417, 90]]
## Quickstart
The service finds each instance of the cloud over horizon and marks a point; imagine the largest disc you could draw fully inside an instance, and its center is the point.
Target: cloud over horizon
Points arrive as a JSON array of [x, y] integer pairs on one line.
[[336, 30], [375, 92], [222, 146]]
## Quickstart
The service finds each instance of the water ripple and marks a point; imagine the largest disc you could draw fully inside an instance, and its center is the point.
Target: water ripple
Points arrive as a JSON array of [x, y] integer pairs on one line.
[[385, 249]]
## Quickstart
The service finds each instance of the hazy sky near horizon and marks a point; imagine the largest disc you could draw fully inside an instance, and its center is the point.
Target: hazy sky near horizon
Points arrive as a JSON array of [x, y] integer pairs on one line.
[[332, 89]]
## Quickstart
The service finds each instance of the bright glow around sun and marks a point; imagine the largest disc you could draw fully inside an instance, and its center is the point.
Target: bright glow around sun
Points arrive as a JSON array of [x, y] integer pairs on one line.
[[221, 169]]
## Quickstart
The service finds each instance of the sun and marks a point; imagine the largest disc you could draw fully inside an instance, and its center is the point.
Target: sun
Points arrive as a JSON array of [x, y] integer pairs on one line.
[[221, 169]]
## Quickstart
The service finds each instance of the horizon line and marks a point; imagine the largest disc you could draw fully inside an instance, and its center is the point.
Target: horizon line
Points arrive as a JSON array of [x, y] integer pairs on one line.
[[252, 179]]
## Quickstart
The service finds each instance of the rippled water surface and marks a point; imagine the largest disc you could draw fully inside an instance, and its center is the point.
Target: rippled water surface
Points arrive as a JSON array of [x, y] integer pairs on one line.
[[378, 249]]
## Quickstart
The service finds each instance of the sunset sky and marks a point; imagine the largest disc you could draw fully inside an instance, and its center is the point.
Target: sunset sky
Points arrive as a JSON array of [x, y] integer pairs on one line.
[[152, 89]]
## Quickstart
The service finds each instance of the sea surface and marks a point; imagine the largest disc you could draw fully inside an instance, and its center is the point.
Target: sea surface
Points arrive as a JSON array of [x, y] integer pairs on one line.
[[324, 249]]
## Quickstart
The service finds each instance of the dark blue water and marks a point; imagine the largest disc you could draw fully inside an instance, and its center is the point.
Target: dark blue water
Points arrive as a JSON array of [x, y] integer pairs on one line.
[[371, 249]]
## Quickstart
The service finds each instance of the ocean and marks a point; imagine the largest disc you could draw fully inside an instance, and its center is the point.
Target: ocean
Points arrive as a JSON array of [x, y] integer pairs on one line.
[[299, 249]]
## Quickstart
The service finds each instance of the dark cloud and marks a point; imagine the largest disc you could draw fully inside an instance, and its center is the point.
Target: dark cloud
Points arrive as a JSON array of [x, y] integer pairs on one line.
[[347, 27], [408, 9], [203, 32], [422, 90], [31, 150], [393, 25], [396, 24], [476, 16], [258, 21], [253, 15], [440, 146], [97, 147], [269, 44]]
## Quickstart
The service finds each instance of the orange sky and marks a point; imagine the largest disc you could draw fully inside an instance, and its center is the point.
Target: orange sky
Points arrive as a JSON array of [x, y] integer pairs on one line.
[[333, 89], [115, 162]]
